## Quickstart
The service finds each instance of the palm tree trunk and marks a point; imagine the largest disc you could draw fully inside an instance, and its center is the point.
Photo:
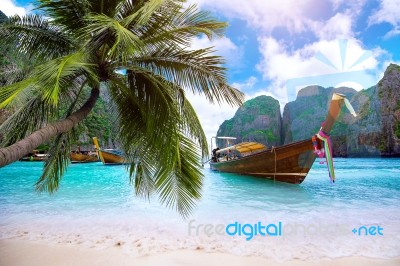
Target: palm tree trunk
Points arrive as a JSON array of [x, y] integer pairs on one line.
[[17, 150]]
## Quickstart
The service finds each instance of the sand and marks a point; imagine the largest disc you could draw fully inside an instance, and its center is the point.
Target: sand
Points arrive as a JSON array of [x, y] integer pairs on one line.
[[22, 252]]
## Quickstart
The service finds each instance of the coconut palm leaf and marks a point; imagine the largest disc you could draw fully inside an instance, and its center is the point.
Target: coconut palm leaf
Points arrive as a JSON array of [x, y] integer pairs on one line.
[[34, 36], [56, 164], [68, 14], [195, 70]]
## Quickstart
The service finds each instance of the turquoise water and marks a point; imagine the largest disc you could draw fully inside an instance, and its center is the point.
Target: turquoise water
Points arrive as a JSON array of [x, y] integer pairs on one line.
[[96, 206]]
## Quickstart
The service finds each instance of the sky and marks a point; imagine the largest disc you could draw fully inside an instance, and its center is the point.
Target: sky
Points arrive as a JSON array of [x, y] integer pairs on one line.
[[278, 47]]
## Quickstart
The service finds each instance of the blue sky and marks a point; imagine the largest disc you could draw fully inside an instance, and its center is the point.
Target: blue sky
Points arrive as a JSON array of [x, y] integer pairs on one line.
[[277, 47]]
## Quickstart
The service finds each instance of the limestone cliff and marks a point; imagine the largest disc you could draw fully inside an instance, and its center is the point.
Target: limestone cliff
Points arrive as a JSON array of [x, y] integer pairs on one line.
[[389, 97], [259, 120], [374, 132]]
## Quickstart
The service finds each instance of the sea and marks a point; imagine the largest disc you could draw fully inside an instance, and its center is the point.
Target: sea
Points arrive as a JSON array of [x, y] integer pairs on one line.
[[96, 207]]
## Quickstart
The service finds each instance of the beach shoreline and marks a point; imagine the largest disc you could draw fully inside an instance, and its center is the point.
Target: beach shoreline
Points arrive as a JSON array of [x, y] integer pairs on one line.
[[25, 252]]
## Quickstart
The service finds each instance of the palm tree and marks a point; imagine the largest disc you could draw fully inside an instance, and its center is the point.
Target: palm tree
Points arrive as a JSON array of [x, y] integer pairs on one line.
[[138, 53]]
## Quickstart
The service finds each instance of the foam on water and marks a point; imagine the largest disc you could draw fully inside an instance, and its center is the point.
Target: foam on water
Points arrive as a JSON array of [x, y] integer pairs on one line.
[[96, 207]]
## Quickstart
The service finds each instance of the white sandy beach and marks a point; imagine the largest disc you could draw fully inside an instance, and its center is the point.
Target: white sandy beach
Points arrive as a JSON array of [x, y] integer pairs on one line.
[[22, 252]]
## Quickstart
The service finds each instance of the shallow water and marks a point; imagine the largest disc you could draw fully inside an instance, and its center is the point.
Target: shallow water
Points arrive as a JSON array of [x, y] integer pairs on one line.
[[96, 207]]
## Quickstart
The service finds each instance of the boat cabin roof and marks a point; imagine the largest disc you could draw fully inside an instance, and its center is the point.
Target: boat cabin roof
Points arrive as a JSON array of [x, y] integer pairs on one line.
[[244, 147]]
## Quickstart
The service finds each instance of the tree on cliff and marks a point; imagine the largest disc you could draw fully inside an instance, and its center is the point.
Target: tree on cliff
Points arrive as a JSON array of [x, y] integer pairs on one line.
[[138, 52]]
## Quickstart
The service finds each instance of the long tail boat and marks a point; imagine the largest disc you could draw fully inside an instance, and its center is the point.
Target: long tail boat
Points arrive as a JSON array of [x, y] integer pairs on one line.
[[287, 163], [109, 156], [83, 157], [34, 156]]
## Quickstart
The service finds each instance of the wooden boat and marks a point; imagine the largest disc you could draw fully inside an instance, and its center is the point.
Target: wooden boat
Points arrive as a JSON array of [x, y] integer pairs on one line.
[[34, 156], [287, 163], [39, 157], [109, 156], [83, 157]]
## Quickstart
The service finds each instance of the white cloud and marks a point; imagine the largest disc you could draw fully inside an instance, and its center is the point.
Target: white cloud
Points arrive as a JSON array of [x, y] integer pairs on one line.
[[247, 85], [330, 55], [265, 15], [302, 67], [338, 26], [211, 116], [292, 15], [223, 47], [389, 12], [9, 8]]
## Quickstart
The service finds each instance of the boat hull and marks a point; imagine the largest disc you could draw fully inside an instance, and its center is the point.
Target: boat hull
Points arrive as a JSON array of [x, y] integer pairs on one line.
[[288, 163], [110, 158], [83, 158], [32, 159]]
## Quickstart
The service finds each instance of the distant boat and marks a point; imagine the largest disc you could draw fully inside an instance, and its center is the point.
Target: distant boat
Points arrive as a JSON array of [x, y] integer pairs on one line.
[[109, 156], [287, 163], [83, 157], [34, 157]]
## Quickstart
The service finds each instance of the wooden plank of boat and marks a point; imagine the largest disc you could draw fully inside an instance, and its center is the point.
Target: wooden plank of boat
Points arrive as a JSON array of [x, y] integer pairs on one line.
[[83, 158], [109, 156], [288, 163]]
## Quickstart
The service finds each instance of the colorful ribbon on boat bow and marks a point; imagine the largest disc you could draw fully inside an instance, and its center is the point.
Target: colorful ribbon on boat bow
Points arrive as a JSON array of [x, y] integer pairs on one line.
[[324, 151], [328, 152]]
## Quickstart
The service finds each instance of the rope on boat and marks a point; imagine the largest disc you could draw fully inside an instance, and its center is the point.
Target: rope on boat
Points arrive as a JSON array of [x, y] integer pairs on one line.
[[273, 149], [326, 151]]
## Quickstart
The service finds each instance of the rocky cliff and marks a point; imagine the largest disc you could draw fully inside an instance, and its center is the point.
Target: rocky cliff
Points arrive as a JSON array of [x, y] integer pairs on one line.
[[389, 98], [259, 120], [302, 118], [374, 132]]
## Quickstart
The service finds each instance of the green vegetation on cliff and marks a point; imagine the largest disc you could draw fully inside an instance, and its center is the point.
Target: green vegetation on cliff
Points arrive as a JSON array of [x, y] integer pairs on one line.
[[374, 132], [257, 120]]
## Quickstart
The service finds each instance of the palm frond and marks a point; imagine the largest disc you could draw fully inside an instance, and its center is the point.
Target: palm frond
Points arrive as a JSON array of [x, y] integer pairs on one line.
[[10, 92], [181, 187], [173, 25], [104, 30], [143, 14], [192, 126], [56, 164], [69, 14], [195, 70], [154, 133], [51, 78], [22, 123], [34, 36], [57, 75]]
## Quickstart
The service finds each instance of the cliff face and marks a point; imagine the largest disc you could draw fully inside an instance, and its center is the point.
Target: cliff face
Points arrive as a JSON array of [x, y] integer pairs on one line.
[[374, 132], [389, 97], [302, 118], [363, 135], [257, 120]]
